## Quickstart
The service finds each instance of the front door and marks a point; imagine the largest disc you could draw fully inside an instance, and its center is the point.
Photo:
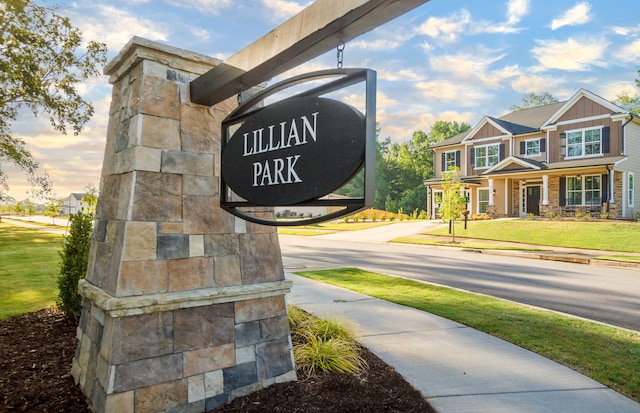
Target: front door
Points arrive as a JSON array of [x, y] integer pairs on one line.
[[533, 200]]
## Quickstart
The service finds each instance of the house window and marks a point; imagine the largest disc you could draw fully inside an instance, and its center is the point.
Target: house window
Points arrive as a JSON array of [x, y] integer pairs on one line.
[[450, 160], [630, 189], [532, 147], [592, 190], [584, 190], [584, 142], [487, 156], [483, 200]]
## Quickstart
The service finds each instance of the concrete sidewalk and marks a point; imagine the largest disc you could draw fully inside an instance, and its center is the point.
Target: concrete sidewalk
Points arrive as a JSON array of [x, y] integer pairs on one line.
[[458, 369]]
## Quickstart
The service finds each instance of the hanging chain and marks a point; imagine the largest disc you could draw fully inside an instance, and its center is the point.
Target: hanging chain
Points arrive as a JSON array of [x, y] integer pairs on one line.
[[340, 53]]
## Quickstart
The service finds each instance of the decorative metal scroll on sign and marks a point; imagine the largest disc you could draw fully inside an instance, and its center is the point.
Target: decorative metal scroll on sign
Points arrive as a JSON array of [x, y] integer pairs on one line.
[[297, 151]]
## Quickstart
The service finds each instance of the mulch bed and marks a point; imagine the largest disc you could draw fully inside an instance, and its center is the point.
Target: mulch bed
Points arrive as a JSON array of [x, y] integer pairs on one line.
[[36, 350]]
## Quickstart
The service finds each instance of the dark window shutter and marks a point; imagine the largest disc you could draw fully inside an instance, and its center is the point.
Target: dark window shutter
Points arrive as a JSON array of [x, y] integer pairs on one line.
[[604, 188], [458, 159], [543, 145], [563, 191], [501, 151], [472, 156], [443, 166], [522, 147], [606, 139]]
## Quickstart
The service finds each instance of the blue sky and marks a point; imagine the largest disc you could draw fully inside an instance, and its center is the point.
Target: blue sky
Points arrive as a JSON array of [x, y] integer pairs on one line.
[[454, 60]]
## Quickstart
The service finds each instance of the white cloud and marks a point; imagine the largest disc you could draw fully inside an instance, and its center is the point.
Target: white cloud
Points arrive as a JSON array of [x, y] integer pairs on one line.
[[204, 6], [532, 83], [448, 28], [572, 54], [516, 10], [284, 9], [464, 95], [629, 52], [476, 65], [464, 65], [116, 27], [578, 14]]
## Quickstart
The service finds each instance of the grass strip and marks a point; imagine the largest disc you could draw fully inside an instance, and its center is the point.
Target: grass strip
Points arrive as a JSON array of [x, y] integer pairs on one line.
[[29, 270], [445, 242], [607, 354], [619, 258], [600, 235]]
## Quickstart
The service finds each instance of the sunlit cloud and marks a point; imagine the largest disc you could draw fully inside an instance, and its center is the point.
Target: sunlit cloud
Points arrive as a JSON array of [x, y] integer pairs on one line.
[[571, 55], [533, 83], [204, 6], [284, 9], [578, 14], [116, 27], [447, 28], [516, 10], [464, 94], [629, 52]]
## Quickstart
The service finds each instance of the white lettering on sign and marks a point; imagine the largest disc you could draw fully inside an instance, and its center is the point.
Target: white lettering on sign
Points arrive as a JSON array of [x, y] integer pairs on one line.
[[281, 136], [274, 137], [276, 171]]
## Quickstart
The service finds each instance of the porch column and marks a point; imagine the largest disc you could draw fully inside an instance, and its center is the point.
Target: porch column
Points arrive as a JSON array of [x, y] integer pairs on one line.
[[490, 192], [610, 175], [545, 189]]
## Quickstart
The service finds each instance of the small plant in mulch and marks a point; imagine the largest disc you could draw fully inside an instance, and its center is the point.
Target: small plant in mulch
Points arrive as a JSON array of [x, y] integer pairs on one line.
[[323, 345]]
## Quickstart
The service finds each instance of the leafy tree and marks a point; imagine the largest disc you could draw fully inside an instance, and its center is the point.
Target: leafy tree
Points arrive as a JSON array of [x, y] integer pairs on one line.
[[451, 206], [90, 199], [73, 266], [40, 68], [52, 208], [533, 99], [628, 102]]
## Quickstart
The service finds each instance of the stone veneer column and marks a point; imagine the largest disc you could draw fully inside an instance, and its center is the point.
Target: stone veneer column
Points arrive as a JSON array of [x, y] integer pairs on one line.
[[183, 304]]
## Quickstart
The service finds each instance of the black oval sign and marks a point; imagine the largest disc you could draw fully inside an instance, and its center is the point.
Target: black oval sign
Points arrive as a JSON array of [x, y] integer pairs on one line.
[[294, 150]]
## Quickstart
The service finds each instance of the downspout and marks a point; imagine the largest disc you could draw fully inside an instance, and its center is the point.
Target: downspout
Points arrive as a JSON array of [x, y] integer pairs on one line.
[[624, 144], [622, 128]]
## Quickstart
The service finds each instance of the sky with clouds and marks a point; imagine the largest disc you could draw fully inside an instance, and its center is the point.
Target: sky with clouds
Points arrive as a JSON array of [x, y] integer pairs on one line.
[[455, 60]]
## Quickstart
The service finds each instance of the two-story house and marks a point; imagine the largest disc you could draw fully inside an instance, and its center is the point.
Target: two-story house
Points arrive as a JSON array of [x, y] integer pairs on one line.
[[578, 156]]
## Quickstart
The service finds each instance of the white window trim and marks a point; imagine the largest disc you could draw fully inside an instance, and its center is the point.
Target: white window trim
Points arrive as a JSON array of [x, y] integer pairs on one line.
[[446, 164], [583, 190], [486, 157], [631, 192], [525, 147], [582, 130]]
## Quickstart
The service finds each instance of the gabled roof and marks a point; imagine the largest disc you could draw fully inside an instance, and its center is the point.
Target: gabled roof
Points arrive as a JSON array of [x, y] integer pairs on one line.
[[532, 117], [455, 140], [518, 122], [530, 165], [523, 163], [577, 96]]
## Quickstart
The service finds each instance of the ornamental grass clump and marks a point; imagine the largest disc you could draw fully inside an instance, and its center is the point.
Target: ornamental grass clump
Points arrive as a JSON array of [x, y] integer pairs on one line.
[[323, 346]]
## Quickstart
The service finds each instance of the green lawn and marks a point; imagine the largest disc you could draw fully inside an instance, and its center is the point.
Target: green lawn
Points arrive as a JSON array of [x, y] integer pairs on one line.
[[609, 355], [600, 235], [330, 227], [29, 268]]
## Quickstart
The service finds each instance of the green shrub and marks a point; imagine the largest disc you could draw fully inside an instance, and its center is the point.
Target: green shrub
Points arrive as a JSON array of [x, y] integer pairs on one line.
[[73, 266], [318, 355], [323, 345]]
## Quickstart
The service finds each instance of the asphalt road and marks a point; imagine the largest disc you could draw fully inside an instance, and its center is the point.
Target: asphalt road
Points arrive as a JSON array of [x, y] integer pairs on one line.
[[605, 294]]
